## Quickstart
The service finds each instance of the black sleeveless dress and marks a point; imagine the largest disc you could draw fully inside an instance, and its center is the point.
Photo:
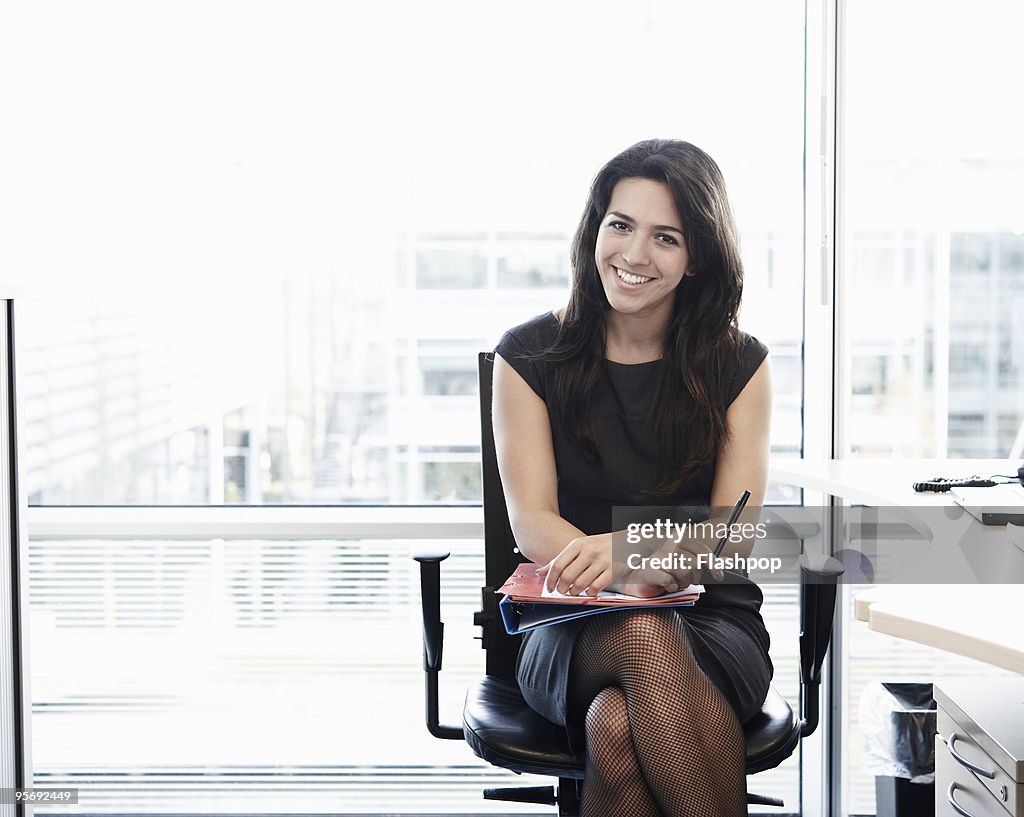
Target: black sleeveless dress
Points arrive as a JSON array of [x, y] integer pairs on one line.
[[725, 628]]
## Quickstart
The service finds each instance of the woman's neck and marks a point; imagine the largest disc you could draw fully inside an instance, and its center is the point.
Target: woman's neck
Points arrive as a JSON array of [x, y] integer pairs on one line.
[[633, 338]]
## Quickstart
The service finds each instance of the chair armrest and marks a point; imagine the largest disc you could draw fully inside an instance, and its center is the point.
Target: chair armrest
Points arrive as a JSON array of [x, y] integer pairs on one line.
[[818, 579], [430, 598], [433, 638]]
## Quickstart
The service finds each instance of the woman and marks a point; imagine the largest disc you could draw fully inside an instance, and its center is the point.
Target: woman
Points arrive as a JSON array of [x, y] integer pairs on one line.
[[641, 391]]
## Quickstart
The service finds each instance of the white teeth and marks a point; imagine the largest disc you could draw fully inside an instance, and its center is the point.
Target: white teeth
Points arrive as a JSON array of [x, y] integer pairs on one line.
[[629, 278]]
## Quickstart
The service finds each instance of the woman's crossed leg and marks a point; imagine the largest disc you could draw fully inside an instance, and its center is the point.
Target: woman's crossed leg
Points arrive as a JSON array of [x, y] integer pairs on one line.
[[661, 739]]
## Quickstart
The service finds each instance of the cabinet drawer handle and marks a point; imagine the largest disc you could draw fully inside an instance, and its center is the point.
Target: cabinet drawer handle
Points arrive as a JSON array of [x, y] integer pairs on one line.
[[954, 804], [963, 761]]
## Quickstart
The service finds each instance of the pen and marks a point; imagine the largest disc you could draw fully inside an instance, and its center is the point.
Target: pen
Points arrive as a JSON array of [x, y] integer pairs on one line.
[[737, 509]]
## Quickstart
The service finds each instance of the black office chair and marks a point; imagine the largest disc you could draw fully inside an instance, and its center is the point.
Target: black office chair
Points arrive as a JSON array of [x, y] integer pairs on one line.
[[504, 731]]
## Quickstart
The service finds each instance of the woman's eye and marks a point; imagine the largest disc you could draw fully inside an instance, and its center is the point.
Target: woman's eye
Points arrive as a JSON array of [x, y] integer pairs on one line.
[[618, 225], [667, 239]]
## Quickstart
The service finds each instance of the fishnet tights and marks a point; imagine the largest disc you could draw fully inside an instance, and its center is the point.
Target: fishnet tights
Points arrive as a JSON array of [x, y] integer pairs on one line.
[[660, 738]]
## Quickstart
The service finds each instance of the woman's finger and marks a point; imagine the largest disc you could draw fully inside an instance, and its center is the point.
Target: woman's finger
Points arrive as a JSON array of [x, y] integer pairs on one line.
[[682, 576], [601, 582], [544, 570], [663, 581], [586, 578], [553, 577], [569, 579], [704, 556]]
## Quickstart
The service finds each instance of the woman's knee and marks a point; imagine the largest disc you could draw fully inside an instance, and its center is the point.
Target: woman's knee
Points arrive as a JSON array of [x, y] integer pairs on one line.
[[643, 651], [651, 634]]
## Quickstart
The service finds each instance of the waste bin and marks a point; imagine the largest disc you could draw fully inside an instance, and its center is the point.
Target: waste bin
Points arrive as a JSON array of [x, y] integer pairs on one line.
[[898, 724]]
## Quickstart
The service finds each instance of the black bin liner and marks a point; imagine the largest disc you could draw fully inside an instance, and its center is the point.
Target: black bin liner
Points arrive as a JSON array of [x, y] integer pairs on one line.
[[898, 723]]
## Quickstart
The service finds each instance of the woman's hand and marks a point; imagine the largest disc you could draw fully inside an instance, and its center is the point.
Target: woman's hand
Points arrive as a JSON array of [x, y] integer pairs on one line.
[[586, 567], [686, 559]]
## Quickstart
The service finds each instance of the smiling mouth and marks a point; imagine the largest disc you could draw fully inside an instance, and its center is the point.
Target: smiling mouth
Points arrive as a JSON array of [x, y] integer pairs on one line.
[[630, 278]]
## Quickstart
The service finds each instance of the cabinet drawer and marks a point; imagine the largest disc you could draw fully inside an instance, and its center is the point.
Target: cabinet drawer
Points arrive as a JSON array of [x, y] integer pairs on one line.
[[1003, 789], [955, 783]]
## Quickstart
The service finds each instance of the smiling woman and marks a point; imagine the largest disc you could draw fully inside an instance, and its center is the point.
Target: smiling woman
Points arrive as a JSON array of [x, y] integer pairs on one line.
[[641, 392]]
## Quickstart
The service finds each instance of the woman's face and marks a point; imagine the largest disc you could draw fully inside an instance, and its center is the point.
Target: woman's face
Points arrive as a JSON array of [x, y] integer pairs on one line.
[[641, 255]]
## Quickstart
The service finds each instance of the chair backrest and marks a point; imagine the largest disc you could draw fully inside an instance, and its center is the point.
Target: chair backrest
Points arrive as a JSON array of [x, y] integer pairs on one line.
[[500, 552]]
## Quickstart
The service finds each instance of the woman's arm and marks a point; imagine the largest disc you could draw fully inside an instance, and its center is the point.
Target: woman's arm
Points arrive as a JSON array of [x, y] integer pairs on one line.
[[742, 463], [526, 461]]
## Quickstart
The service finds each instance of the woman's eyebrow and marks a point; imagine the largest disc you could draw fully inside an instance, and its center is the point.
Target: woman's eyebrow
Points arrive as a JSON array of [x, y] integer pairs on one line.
[[627, 219]]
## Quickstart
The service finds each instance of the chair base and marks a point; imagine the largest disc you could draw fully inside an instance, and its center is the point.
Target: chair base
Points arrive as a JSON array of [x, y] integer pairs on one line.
[[763, 800], [566, 796], [541, 795]]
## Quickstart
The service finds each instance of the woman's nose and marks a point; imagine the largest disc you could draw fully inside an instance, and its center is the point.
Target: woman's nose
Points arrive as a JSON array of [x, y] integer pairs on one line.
[[635, 254]]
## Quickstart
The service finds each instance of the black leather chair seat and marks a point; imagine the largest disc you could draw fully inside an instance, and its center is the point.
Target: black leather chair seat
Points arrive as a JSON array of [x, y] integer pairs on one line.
[[503, 730], [772, 734]]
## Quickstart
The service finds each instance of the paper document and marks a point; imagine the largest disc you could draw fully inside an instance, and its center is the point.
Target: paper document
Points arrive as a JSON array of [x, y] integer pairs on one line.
[[527, 605]]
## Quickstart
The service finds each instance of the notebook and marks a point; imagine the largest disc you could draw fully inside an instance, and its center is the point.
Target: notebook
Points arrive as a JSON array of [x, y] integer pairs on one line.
[[992, 506]]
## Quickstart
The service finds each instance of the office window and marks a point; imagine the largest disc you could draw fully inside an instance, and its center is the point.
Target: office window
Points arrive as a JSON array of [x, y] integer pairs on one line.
[[933, 272], [262, 245], [452, 267], [451, 482], [223, 280], [531, 262]]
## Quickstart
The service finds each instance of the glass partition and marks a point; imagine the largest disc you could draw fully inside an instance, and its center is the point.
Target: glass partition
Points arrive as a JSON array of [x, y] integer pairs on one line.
[[933, 268]]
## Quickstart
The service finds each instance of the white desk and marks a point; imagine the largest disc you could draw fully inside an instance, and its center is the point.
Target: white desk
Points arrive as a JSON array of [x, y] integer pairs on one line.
[[881, 481], [981, 621], [984, 622], [988, 557]]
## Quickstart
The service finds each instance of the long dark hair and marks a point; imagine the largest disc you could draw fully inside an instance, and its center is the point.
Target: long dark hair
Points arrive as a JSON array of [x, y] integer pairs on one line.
[[688, 415]]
